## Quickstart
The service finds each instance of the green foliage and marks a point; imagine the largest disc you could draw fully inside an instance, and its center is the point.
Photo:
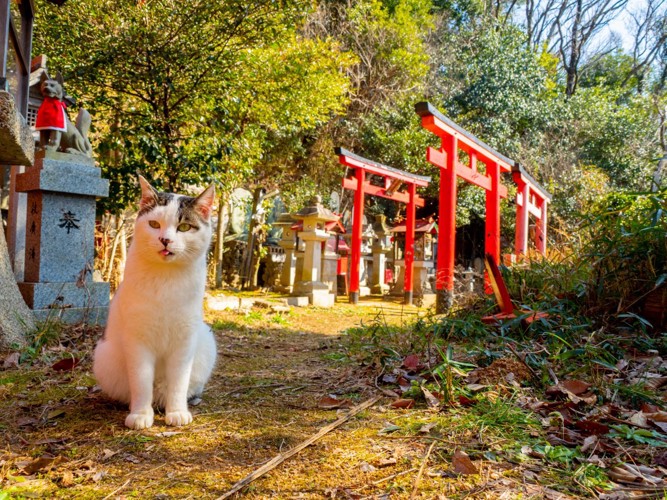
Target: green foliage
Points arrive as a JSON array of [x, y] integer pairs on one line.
[[628, 247]]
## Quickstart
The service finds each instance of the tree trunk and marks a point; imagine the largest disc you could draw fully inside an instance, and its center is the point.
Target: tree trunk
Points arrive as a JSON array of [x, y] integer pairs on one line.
[[248, 255], [220, 239]]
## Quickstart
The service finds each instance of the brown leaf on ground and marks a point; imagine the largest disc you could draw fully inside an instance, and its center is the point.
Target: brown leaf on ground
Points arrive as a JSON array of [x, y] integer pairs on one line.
[[591, 427], [631, 473], [42, 463], [576, 387], [403, 403], [411, 362], [66, 364], [329, 403], [461, 464], [11, 361], [431, 400]]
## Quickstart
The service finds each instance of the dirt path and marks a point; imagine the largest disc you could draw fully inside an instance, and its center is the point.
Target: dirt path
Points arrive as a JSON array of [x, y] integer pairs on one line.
[[62, 439]]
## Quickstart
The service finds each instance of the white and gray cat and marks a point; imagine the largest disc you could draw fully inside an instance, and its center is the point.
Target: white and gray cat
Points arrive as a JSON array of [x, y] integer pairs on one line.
[[156, 348]]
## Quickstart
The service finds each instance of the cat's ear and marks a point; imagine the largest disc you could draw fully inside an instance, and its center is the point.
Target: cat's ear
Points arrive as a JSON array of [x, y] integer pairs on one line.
[[59, 78], [148, 194], [43, 78], [204, 202]]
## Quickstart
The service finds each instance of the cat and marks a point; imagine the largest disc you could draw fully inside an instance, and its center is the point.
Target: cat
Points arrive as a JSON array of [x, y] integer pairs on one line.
[[156, 348], [56, 131]]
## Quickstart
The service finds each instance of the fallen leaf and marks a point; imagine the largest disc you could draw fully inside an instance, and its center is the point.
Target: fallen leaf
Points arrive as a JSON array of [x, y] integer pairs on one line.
[[66, 364], [431, 400], [426, 428], [366, 467], [411, 362], [461, 464], [386, 462], [42, 463], [26, 421], [589, 443], [11, 361], [168, 433], [576, 387], [331, 403], [389, 429], [67, 479], [592, 427], [403, 403], [53, 414], [465, 401]]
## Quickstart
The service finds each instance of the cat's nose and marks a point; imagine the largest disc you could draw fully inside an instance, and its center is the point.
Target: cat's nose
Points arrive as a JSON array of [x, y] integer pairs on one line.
[[165, 241]]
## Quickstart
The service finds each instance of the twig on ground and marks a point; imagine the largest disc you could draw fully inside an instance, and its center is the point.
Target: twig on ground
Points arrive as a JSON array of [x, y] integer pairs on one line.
[[117, 490], [421, 471], [523, 362], [273, 463], [393, 476]]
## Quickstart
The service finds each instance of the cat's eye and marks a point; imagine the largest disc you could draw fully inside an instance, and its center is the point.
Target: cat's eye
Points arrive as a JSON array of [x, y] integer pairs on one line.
[[154, 224], [183, 227]]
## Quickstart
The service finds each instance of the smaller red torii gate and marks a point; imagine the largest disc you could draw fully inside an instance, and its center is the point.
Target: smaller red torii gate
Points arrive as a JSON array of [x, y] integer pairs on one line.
[[531, 198], [454, 138], [392, 180]]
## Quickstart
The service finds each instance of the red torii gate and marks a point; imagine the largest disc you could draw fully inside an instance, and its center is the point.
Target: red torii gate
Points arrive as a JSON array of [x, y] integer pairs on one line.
[[454, 138], [531, 198], [393, 180]]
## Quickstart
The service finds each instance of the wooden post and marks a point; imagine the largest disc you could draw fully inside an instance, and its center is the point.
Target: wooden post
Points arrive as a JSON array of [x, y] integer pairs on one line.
[[492, 240], [521, 230], [447, 227], [541, 228], [409, 245], [357, 221]]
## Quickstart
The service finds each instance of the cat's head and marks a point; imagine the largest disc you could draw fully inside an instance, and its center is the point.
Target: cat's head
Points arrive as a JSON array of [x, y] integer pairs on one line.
[[51, 87], [172, 228]]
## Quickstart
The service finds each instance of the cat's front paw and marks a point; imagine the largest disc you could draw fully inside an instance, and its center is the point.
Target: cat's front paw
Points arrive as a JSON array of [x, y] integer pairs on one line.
[[178, 418], [139, 421]]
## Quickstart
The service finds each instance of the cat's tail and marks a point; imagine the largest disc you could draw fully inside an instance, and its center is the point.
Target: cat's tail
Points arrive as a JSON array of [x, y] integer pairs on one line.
[[83, 122]]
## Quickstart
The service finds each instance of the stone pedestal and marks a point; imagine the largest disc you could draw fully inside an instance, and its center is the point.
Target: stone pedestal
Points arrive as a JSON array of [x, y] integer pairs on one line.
[[60, 238], [378, 286], [420, 282]]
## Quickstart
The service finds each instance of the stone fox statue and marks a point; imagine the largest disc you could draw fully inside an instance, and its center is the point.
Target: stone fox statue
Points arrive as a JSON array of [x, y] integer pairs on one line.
[[56, 131]]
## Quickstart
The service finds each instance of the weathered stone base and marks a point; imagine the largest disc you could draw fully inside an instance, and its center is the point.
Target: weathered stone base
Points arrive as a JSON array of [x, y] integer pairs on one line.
[[318, 293], [380, 289], [74, 315], [73, 304]]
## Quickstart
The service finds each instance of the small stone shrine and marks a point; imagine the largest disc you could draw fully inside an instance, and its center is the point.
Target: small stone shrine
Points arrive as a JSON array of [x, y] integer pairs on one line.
[[381, 247], [426, 231], [60, 238], [313, 234]]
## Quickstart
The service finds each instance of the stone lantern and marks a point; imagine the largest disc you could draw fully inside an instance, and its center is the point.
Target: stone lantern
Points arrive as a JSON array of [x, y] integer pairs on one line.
[[381, 247], [314, 218], [288, 244]]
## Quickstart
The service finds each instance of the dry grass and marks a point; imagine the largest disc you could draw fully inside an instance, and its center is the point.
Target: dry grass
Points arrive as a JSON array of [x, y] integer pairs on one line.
[[63, 439]]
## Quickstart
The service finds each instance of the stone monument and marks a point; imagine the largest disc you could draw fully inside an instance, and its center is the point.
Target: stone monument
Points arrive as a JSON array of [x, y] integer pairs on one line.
[[17, 147], [62, 187], [314, 217]]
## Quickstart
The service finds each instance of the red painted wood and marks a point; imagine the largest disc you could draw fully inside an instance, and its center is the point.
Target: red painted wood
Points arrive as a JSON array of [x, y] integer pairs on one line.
[[492, 223], [444, 278], [357, 219], [351, 184], [375, 169], [440, 128], [541, 229], [409, 253], [521, 229]]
